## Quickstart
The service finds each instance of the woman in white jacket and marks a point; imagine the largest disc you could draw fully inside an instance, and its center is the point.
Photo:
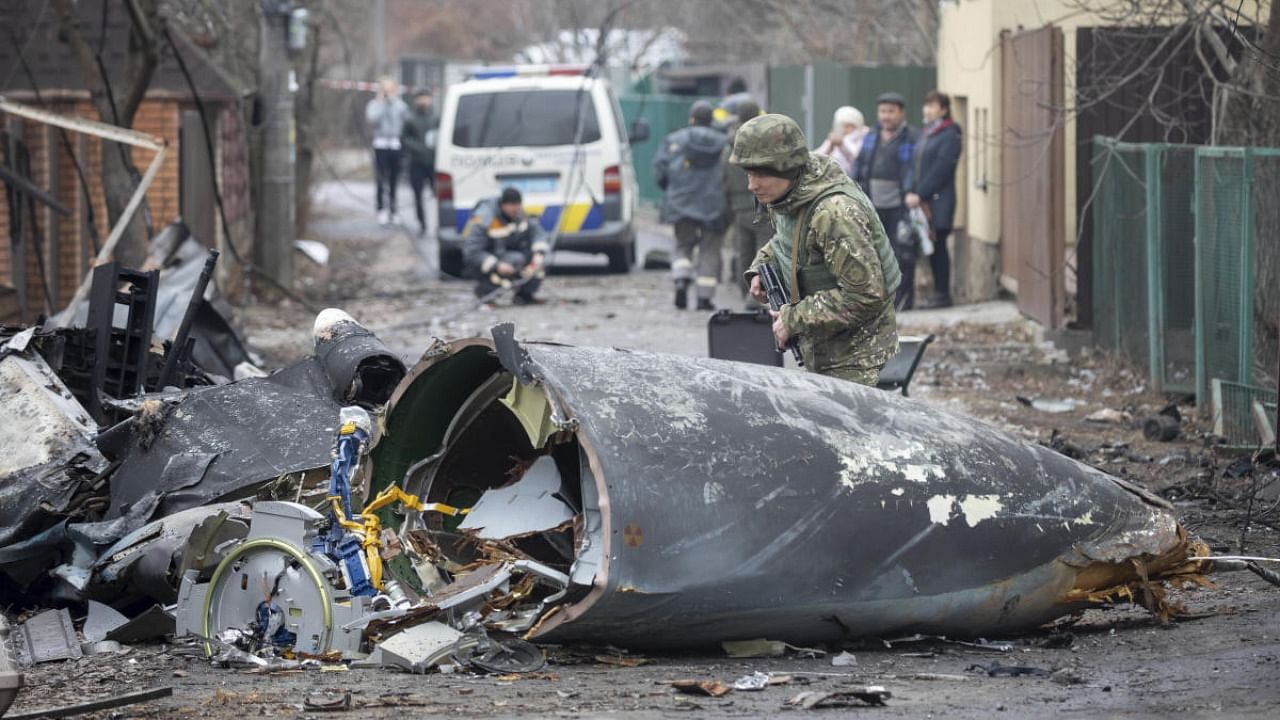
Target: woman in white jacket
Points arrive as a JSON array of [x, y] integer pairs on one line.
[[845, 139]]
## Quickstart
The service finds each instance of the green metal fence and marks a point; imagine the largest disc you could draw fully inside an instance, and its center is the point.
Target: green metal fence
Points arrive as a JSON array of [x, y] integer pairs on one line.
[[1186, 262], [1144, 258], [834, 85], [665, 114]]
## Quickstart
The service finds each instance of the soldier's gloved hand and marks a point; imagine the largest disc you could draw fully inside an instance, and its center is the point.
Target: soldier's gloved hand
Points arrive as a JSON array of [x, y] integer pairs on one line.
[[757, 290], [780, 334]]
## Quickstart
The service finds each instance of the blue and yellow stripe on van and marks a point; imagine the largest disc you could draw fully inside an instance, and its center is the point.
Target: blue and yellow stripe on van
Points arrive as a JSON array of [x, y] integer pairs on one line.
[[572, 218]]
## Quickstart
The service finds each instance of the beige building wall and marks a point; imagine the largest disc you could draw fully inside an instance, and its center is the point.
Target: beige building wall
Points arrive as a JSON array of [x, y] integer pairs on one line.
[[969, 66], [969, 69]]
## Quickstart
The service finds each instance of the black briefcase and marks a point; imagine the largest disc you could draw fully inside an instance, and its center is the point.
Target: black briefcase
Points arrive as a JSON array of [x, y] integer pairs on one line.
[[742, 336]]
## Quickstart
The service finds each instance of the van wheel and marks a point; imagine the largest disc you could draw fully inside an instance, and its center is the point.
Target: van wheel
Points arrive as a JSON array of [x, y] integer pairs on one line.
[[451, 264], [622, 259]]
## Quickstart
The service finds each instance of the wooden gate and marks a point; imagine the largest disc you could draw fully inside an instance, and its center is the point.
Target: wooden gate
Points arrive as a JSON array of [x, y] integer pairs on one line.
[[1032, 183]]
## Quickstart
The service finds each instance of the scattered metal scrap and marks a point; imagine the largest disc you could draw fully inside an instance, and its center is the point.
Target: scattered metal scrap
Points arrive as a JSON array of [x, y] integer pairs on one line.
[[868, 695], [47, 637], [523, 492]]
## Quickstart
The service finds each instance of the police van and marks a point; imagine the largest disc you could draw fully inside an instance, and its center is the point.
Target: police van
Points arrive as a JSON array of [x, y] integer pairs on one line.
[[555, 134]]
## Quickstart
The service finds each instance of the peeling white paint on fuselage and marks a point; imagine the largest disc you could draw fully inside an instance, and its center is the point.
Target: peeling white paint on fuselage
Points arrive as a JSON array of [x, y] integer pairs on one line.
[[973, 508]]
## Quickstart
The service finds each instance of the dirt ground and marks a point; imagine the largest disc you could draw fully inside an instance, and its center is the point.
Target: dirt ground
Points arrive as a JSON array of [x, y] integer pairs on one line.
[[1223, 660]]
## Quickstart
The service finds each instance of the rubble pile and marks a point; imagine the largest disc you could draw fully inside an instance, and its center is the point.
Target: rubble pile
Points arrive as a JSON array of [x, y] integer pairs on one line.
[[347, 508]]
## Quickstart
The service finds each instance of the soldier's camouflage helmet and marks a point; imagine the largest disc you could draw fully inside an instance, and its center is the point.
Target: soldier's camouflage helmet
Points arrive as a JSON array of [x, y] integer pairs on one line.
[[772, 141]]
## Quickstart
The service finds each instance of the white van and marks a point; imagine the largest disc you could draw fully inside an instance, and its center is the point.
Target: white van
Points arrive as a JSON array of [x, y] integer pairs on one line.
[[554, 134]]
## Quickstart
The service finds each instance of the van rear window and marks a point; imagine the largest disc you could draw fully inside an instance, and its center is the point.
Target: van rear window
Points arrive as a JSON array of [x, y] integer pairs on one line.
[[525, 117]]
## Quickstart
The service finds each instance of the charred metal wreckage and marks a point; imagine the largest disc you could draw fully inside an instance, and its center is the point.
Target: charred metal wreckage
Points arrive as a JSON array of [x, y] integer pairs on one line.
[[519, 492]]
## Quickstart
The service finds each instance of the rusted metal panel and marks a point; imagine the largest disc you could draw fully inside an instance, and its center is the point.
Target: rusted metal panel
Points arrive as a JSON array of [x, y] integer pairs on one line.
[[1032, 184]]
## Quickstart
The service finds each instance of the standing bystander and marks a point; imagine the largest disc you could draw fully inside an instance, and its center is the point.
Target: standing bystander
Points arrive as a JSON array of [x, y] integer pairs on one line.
[[843, 143], [385, 115], [934, 185], [419, 139], [883, 169], [687, 170]]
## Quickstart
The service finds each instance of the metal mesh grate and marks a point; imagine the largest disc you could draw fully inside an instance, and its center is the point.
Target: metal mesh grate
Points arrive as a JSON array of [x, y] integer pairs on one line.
[[1235, 406], [1266, 279], [1177, 263], [1119, 254], [1187, 261], [1220, 216]]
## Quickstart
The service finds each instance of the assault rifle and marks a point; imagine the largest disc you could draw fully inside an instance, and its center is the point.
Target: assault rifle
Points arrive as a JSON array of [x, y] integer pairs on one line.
[[777, 298]]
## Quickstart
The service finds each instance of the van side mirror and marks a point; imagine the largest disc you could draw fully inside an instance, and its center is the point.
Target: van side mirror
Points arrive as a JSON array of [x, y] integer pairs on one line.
[[639, 131]]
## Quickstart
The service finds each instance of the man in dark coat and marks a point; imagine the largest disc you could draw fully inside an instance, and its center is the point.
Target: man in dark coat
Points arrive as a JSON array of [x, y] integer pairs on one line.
[[883, 169], [688, 170], [934, 185], [503, 247], [751, 226], [419, 139]]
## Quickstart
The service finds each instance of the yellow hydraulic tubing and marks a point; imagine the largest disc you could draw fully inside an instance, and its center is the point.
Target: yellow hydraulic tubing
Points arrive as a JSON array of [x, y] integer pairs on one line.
[[370, 526]]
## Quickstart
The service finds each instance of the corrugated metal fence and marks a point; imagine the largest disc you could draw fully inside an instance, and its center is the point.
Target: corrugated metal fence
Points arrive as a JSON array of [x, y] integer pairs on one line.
[[1185, 263]]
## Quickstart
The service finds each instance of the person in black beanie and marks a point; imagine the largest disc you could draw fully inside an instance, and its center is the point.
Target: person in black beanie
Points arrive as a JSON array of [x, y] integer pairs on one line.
[[503, 247]]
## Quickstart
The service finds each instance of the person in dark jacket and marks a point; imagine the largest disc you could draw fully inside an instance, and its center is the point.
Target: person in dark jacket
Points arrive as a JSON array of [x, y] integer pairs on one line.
[[751, 226], [418, 139], [687, 169], [934, 185], [883, 169], [502, 246]]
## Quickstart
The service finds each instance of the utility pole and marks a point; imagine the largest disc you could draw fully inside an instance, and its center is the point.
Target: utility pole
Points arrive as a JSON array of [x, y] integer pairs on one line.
[[276, 211], [380, 35]]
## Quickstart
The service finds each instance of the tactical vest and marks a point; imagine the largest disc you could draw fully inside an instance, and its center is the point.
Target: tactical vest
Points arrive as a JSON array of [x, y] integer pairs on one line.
[[807, 279]]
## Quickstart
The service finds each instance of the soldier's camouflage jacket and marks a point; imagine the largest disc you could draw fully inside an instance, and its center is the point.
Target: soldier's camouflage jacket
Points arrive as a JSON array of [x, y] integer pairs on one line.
[[848, 331]]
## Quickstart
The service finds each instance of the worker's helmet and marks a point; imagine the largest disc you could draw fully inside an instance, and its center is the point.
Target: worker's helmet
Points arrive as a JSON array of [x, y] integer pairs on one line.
[[773, 142]]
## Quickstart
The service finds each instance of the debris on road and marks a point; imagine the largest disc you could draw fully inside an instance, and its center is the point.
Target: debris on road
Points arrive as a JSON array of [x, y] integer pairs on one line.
[[710, 688], [844, 659], [109, 703], [340, 704], [998, 670], [757, 681], [765, 649], [46, 637], [1107, 416], [1161, 428], [1050, 405], [869, 695], [540, 492]]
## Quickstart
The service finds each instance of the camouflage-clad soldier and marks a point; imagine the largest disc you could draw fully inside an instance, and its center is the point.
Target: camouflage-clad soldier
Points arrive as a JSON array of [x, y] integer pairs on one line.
[[842, 274]]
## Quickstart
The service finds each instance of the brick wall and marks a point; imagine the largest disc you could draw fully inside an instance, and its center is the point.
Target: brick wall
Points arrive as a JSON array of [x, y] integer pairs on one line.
[[67, 245]]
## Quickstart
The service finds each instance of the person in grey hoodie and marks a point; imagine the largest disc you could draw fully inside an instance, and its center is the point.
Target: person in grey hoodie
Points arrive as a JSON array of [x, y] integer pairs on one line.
[[385, 115], [687, 169]]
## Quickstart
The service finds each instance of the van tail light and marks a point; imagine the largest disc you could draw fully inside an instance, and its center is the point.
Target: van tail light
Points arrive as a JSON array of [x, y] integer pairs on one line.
[[613, 180], [444, 186]]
